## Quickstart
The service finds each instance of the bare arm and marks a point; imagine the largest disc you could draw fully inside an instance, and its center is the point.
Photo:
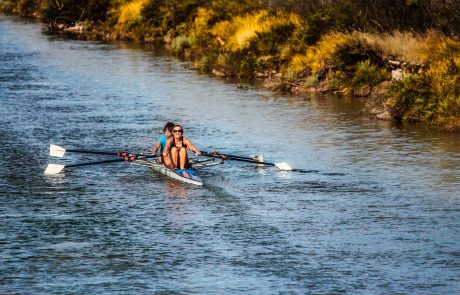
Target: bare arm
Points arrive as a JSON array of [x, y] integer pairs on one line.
[[156, 148], [191, 147], [167, 147]]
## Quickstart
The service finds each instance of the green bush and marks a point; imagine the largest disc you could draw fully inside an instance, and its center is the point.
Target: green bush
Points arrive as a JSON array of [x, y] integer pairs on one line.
[[9, 5], [270, 42], [338, 16], [367, 73], [311, 81], [412, 99], [181, 43]]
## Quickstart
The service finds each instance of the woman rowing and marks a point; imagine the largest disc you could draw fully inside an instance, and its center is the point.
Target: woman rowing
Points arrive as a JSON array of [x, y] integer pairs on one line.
[[175, 151]]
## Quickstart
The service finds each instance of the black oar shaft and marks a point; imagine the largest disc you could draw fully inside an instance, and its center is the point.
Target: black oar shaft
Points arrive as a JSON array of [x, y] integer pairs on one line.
[[241, 158], [95, 163], [236, 158], [229, 156], [250, 161], [91, 152]]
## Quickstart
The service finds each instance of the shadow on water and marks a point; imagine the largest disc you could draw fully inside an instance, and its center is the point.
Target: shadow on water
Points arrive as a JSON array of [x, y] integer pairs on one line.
[[305, 171]]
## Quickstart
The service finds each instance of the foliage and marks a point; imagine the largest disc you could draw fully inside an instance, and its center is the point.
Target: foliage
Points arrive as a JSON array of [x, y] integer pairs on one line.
[[412, 100], [431, 96], [367, 73], [181, 43], [405, 46], [236, 34], [346, 43], [311, 81], [375, 15], [62, 11], [221, 10], [8, 6], [322, 55], [410, 47], [128, 14], [170, 14]]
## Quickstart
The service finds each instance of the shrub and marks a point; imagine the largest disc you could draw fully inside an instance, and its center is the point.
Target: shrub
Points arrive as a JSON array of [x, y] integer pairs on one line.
[[367, 73], [26, 7], [269, 42], [401, 45], [432, 96], [311, 81], [129, 14], [324, 54], [180, 43], [410, 47], [238, 33], [411, 99], [8, 6]]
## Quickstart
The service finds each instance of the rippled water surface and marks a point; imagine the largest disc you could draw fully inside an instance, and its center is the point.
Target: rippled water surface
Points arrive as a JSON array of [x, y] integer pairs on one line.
[[376, 208]]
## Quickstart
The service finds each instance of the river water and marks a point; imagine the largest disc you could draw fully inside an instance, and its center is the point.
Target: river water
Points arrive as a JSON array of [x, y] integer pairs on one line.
[[375, 208]]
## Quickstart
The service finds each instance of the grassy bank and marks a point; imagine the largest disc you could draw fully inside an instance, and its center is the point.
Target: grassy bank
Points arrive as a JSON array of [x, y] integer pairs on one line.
[[402, 56]]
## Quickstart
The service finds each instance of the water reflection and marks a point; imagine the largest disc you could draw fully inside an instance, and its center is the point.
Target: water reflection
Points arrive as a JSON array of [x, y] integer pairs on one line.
[[173, 189]]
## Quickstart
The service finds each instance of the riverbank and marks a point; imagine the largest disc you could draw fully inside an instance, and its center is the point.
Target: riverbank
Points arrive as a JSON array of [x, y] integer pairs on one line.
[[402, 76]]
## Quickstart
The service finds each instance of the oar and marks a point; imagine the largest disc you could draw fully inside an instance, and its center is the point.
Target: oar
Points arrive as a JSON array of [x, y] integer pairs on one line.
[[229, 156], [281, 166], [56, 168], [59, 151]]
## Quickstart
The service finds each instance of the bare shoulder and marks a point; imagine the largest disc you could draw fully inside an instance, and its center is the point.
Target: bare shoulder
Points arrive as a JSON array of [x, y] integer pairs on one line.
[[169, 141]]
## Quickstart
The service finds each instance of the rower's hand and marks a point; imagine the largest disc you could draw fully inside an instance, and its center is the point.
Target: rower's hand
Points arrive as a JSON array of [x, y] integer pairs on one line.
[[198, 153]]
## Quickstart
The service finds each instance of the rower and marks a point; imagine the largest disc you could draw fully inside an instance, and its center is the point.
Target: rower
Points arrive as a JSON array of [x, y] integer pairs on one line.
[[160, 145], [176, 149]]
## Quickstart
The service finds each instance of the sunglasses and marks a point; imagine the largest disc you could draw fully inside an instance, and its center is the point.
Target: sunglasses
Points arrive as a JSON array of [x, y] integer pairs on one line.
[[178, 130]]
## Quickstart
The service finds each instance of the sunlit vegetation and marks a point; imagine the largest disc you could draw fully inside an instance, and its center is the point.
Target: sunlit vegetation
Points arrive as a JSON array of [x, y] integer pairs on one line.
[[128, 14], [409, 49], [433, 95]]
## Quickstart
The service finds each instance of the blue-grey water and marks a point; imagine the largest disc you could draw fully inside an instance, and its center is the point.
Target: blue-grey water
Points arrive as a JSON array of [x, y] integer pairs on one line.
[[376, 209]]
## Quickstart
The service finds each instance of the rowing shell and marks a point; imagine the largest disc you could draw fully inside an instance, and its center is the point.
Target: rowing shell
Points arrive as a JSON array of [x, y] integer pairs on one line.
[[185, 175]]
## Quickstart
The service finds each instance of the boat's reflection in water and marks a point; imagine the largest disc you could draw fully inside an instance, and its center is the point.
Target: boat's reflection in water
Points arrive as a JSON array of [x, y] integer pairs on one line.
[[176, 189]]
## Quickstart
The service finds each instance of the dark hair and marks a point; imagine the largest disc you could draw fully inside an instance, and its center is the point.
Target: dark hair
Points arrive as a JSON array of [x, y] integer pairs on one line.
[[169, 126], [177, 125]]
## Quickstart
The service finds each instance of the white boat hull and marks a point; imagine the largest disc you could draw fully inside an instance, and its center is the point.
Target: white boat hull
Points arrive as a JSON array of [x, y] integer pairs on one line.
[[188, 177]]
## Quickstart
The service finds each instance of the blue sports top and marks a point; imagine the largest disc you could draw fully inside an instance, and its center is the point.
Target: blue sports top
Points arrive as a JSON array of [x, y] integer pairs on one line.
[[162, 142]]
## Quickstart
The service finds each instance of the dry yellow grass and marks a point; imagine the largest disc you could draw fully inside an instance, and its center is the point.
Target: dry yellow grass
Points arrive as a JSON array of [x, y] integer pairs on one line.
[[319, 56], [129, 12], [402, 45], [236, 34], [413, 48], [432, 47]]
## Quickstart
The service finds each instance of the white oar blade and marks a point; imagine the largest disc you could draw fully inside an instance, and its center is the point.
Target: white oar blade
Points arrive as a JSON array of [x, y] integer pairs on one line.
[[53, 169], [283, 166], [259, 158], [57, 151]]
